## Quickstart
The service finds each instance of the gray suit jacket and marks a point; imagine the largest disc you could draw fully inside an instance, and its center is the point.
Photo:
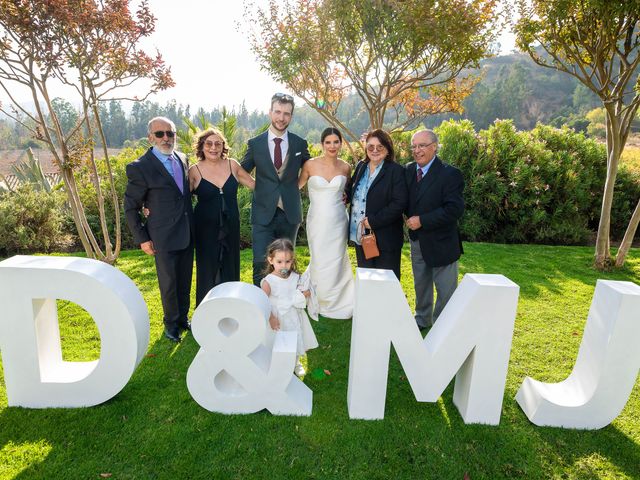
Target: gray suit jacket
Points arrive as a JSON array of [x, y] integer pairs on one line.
[[270, 186]]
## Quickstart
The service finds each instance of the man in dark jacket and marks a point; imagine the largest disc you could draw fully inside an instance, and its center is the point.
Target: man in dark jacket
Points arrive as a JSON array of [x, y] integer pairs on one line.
[[158, 181], [277, 156], [435, 206]]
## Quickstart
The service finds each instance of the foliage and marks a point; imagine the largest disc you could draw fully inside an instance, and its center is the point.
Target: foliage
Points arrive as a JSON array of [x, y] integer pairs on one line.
[[162, 433], [86, 191], [31, 220], [30, 171], [531, 187], [597, 42], [597, 127], [92, 47], [402, 58]]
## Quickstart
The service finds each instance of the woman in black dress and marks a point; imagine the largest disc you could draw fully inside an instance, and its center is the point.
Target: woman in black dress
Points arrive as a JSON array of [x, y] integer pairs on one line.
[[214, 180]]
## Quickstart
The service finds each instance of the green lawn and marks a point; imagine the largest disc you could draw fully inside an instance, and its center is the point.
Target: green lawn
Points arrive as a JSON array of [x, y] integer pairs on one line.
[[153, 429]]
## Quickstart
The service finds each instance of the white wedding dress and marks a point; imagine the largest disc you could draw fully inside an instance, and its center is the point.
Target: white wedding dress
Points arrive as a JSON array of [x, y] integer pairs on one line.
[[329, 268]]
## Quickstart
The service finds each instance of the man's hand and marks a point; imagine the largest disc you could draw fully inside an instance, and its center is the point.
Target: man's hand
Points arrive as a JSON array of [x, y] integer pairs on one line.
[[147, 247], [365, 222], [413, 223]]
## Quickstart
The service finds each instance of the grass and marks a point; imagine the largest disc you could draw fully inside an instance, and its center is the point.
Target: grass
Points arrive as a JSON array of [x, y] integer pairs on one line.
[[153, 429]]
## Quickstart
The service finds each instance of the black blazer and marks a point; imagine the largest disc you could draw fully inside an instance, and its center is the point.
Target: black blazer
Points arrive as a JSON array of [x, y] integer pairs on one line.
[[437, 199], [386, 200], [269, 186], [170, 221]]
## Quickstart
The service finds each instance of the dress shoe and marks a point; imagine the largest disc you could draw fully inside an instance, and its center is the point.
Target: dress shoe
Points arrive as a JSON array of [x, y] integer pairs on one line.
[[171, 335]]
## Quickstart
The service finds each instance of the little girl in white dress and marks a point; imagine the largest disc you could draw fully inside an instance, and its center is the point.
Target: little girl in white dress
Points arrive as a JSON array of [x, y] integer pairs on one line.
[[288, 293]]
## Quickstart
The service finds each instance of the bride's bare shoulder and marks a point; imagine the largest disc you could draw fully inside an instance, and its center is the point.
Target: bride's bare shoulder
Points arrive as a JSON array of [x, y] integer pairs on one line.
[[344, 166]]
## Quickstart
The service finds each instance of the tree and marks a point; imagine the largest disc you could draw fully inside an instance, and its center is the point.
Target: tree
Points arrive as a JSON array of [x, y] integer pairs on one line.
[[91, 47], [67, 115], [401, 57], [596, 41]]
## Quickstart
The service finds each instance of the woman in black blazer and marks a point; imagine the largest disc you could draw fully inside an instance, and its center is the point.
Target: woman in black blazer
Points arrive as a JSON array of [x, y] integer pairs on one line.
[[378, 196]]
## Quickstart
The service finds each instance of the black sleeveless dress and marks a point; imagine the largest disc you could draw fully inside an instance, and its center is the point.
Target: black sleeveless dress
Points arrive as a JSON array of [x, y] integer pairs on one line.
[[217, 228]]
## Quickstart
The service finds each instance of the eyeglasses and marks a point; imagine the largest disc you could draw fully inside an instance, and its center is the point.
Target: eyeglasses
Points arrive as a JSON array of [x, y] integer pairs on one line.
[[282, 97], [376, 148], [162, 133], [210, 144], [420, 146]]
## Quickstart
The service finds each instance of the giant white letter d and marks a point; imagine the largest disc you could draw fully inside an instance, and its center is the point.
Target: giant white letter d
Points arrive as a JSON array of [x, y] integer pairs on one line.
[[35, 373]]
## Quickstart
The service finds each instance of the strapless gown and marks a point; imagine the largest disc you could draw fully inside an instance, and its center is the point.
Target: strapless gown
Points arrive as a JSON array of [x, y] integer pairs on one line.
[[329, 268]]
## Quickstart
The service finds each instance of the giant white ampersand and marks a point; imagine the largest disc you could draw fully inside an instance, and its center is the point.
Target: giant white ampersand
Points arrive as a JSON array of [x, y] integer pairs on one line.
[[234, 371]]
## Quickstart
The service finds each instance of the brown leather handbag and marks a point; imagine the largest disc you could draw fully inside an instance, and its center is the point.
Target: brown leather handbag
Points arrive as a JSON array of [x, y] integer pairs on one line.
[[368, 242]]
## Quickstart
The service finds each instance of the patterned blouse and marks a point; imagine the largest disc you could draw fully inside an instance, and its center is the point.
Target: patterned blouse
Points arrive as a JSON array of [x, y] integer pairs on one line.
[[359, 201]]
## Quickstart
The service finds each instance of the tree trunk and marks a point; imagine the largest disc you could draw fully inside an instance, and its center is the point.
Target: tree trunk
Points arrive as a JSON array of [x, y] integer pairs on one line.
[[614, 149], [628, 236]]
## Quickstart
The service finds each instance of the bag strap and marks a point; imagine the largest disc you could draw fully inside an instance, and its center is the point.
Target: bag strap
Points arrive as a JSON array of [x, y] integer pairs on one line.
[[362, 228]]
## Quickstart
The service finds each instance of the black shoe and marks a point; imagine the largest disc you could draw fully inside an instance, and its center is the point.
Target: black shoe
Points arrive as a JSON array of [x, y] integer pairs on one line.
[[173, 336], [185, 327]]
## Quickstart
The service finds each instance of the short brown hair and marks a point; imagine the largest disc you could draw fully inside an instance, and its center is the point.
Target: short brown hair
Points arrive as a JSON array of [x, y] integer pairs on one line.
[[385, 139]]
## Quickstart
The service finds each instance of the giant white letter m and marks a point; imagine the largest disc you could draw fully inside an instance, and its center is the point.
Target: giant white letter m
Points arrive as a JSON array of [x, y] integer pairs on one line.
[[471, 340]]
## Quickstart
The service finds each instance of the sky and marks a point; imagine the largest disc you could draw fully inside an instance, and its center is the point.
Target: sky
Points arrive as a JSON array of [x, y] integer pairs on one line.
[[210, 56]]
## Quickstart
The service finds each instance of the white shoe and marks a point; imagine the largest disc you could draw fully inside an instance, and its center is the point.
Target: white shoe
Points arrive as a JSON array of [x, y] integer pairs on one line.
[[299, 370]]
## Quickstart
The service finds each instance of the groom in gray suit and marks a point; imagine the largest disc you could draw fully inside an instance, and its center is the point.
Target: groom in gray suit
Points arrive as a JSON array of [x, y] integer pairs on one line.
[[277, 156]]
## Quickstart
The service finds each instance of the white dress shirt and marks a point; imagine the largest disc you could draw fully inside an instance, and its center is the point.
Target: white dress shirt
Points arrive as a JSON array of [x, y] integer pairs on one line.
[[284, 146]]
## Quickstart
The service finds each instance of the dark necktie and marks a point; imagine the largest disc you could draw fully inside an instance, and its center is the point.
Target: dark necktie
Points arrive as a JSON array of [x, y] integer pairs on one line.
[[277, 153], [419, 174], [177, 172]]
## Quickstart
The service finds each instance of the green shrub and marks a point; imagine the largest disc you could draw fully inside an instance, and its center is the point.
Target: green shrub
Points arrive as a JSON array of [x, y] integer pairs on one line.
[[88, 196], [485, 187], [32, 221], [541, 186]]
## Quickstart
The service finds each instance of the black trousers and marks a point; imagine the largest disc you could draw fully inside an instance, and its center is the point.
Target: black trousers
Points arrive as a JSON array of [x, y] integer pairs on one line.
[[389, 260], [263, 235], [175, 270]]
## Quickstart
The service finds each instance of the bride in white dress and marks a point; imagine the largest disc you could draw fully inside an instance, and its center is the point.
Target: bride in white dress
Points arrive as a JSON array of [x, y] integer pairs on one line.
[[327, 227]]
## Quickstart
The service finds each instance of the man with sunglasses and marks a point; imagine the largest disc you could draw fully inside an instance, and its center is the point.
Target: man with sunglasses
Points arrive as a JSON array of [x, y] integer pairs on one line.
[[277, 156], [158, 181], [435, 206]]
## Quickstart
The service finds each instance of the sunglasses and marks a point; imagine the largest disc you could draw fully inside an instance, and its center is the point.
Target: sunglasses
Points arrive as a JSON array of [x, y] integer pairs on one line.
[[162, 133], [375, 148], [282, 96]]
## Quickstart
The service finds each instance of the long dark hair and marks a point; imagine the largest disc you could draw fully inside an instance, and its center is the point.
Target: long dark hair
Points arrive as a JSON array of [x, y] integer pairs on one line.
[[330, 131], [280, 245], [385, 139]]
